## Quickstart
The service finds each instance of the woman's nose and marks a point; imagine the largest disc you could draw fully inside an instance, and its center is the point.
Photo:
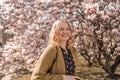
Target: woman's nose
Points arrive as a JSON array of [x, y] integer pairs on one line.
[[64, 30]]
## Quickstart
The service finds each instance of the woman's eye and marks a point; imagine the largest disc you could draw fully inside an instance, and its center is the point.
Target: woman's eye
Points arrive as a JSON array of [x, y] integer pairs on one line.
[[61, 29], [68, 29]]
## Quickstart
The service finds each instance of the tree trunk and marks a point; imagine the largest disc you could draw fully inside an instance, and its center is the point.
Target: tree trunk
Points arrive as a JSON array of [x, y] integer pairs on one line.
[[111, 70], [116, 63]]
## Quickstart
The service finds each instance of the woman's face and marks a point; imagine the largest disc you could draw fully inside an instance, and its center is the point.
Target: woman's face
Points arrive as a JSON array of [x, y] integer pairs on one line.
[[64, 32]]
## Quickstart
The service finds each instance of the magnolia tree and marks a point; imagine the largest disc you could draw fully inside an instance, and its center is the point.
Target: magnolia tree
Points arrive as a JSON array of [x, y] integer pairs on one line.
[[95, 25], [30, 22], [98, 33]]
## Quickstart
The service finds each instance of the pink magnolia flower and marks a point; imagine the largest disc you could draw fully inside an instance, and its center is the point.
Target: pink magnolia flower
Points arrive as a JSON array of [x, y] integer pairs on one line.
[[90, 10], [114, 31], [91, 17], [93, 1], [8, 0], [105, 17], [112, 8], [91, 53]]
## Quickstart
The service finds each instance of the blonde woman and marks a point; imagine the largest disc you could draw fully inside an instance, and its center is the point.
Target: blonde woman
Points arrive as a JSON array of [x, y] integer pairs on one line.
[[58, 61]]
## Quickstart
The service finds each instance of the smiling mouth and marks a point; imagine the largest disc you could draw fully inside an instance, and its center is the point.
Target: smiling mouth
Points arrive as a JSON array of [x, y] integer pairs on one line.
[[64, 35]]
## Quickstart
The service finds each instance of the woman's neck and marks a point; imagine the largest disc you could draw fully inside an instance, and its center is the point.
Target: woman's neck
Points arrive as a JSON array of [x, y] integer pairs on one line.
[[62, 45]]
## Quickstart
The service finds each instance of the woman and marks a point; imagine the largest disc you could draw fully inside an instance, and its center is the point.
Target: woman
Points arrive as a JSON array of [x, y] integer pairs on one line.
[[58, 61]]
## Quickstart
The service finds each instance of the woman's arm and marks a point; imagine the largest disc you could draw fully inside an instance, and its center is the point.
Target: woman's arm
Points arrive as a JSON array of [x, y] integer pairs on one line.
[[44, 64]]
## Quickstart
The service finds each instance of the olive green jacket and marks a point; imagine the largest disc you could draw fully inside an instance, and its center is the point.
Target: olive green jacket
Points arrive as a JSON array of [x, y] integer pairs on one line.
[[46, 60]]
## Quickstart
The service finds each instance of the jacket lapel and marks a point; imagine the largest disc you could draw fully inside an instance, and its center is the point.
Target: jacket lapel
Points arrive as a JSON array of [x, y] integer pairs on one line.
[[60, 60]]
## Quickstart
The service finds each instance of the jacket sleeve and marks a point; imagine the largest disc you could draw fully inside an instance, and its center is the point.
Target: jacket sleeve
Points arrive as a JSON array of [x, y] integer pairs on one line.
[[44, 64]]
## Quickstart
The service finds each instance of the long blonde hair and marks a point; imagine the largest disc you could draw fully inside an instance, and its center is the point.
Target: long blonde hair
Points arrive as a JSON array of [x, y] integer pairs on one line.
[[54, 34]]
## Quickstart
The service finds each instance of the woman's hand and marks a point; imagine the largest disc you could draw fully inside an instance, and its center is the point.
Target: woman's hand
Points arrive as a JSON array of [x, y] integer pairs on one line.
[[68, 77]]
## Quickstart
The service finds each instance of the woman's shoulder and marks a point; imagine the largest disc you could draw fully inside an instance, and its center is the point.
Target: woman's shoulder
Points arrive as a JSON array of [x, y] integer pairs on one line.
[[51, 47], [71, 47]]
